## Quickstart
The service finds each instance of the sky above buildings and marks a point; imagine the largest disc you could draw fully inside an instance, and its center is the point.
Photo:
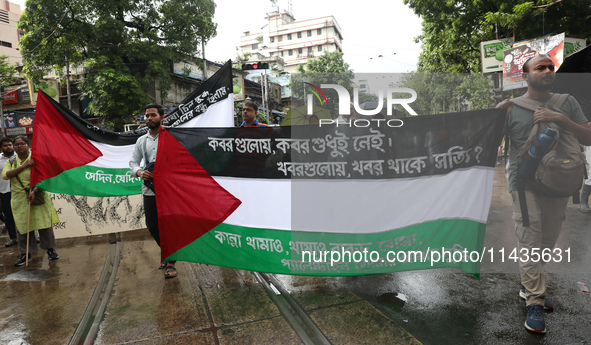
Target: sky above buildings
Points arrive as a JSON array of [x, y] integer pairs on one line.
[[378, 35], [370, 28]]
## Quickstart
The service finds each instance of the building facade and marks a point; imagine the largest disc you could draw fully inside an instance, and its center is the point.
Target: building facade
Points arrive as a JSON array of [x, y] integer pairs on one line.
[[294, 41], [9, 34]]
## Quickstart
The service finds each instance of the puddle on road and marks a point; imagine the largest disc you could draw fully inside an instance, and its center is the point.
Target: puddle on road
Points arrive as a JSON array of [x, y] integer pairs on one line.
[[392, 299], [31, 275]]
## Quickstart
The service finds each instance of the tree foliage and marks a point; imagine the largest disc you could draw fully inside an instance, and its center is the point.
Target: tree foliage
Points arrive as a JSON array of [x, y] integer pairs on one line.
[[7, 71], [125, 45], [241, 57], [329, 62], [328, 68], [453, 30], [447, 92], [367, 97]]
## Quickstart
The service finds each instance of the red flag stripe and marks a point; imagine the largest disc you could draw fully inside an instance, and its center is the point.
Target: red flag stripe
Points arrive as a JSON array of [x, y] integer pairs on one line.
[[57, 145], [189, 201]]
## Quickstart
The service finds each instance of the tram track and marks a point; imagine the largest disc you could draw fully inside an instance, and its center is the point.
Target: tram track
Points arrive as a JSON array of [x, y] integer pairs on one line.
[[88, 327], [299, 320]]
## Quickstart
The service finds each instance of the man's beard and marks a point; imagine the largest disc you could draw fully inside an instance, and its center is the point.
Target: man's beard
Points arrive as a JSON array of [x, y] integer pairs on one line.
[[153, 125], [540, 86], [8, 152]]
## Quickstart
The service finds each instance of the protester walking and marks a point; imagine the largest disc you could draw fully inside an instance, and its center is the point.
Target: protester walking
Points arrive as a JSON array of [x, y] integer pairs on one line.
[[538, 216], [145, 150]]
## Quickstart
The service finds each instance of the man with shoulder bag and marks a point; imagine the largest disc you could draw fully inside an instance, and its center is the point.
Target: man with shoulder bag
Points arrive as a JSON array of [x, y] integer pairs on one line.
[[545, 167]]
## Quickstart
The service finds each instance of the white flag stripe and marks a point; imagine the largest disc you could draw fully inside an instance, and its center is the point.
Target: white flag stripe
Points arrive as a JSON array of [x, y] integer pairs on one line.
[[220, 114], [360, 206], [116, 157]]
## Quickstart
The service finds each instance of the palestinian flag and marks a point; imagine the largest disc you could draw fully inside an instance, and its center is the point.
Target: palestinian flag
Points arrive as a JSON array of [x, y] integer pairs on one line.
[[75, 157], [287, 200]]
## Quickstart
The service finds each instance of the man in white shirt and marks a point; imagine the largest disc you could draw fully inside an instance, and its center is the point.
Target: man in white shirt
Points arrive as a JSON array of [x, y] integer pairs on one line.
[[145, 149], [7, 153]]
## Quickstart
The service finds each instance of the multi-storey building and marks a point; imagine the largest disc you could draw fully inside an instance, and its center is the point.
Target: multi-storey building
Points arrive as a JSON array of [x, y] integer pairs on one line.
[[363, 85], [294, 41], [9, 34]]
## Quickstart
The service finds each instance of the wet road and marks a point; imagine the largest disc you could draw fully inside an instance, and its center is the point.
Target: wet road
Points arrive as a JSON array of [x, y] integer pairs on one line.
[[45, 302]]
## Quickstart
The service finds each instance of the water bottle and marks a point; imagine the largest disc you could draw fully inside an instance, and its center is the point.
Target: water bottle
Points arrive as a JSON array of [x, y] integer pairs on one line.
[[529, 165]]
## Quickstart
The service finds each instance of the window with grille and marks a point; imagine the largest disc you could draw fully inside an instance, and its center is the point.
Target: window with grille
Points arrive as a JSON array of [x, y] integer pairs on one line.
[[4, 16]]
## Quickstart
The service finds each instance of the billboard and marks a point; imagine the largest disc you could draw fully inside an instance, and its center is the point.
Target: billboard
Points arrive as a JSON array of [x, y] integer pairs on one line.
[[491, 54], [515, 57], [573, 45]]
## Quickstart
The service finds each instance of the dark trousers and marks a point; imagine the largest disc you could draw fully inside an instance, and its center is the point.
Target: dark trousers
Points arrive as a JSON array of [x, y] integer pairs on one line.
[[46, 240], [8, 218], [152, 218]]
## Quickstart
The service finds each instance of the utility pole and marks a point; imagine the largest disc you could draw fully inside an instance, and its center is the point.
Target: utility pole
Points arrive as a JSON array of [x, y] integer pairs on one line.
[[268, 94], [68, 82], [266, 97], [2, 111], [203, 57], [263, 94]]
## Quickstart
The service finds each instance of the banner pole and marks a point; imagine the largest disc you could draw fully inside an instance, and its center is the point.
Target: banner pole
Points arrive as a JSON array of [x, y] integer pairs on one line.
[[28, 226]]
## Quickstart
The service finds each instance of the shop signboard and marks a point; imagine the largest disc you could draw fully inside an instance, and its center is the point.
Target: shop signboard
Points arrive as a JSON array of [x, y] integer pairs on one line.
[[16, 131], [24, 97], [10, 97]]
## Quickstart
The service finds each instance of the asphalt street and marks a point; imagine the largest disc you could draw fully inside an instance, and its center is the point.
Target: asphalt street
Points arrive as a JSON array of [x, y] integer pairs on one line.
[[50, 302]]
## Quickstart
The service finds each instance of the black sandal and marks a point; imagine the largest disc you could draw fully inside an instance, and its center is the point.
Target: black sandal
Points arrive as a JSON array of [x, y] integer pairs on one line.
[[170, 272]]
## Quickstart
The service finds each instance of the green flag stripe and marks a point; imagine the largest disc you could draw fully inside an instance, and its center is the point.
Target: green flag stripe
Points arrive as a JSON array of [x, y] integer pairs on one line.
[[280, 251], [93, 181]]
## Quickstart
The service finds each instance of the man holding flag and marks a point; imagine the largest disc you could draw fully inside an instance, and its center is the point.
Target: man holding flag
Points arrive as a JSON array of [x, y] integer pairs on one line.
[[145, 148]]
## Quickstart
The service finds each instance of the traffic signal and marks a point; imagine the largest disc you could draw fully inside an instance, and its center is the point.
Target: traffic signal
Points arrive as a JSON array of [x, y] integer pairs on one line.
[[495, 89], [255, 66]]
